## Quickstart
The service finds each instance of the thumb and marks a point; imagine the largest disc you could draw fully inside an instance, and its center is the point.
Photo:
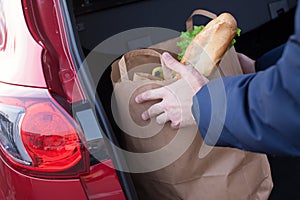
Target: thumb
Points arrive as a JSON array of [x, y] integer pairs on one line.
[[173, 64]]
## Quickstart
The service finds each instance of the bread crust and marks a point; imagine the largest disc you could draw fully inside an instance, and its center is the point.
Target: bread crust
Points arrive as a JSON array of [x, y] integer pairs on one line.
[[208, 47]]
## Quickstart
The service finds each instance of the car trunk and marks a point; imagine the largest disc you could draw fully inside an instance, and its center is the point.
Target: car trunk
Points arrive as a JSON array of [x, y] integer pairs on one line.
[[97, 23], [105, 30], [95, 76]]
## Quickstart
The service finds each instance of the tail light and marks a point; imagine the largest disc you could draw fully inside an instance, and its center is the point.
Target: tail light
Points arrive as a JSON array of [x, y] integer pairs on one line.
[[45, 22], [38, 136]]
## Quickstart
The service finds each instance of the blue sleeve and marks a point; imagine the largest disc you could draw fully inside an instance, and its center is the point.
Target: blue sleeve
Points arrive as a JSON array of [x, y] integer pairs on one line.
[[258, 112]]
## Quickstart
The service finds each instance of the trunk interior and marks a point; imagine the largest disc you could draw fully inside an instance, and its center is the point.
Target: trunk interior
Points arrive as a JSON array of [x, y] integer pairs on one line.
[[96, 21]]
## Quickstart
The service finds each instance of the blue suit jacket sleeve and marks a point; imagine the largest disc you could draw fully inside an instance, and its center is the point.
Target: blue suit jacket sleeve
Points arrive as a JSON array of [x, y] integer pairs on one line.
[[259, 112]]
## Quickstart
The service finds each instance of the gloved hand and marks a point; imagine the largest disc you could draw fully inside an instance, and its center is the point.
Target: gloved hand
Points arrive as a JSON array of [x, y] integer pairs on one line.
[[176, 98]]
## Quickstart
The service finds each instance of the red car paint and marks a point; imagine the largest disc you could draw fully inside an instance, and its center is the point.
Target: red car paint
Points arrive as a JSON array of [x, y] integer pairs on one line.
[[101, 184], [20, 55], [34, 53]]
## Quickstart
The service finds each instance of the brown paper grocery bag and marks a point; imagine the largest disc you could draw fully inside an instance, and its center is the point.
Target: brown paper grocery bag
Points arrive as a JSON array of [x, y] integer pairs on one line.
[[176, 171]]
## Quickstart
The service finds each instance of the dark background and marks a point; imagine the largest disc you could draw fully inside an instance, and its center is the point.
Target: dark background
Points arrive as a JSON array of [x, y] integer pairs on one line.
[[265, 37], [100, 20]]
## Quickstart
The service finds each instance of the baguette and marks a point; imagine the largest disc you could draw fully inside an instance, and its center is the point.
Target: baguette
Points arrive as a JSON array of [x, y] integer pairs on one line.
[[208, 47]]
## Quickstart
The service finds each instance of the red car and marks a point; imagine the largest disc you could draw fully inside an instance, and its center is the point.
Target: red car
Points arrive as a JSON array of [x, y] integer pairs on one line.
[[53, 130], [48, 149]]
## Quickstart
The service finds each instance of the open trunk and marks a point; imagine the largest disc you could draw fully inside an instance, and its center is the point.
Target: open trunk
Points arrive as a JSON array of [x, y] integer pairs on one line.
[[96, 27]]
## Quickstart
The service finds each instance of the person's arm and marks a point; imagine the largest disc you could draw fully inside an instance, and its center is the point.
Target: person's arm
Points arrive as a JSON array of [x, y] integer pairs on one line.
[[262, 110]]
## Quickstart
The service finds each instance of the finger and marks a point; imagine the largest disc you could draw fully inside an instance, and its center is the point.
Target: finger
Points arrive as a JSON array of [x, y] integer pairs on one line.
[[173, 64], [175, 125], [145, 116], [154, 110], [162, 118], [149, 95]]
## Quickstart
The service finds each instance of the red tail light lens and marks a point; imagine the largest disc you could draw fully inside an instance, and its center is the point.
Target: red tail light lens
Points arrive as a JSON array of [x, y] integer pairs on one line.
[[50, 137], [40, 137]]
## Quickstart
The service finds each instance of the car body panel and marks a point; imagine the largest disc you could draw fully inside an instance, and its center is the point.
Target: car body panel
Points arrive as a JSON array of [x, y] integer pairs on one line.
[[15, 185], [22, 64], [102, 182], [20, 54]]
